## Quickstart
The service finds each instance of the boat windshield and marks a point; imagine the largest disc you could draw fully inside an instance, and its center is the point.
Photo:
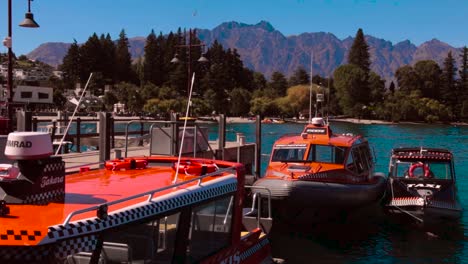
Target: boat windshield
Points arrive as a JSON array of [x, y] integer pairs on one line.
[[285, 153], [435, 169], [327, 154]]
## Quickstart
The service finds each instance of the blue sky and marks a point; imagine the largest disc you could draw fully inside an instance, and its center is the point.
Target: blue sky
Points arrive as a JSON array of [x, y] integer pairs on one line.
[[393, 20]]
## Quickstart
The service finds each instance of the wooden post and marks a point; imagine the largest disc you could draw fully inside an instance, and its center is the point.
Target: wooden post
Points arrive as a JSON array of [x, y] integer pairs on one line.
[[34, 124], [258, 147], [222, 135], [23, 120], [104, 136], [174, 134], [113, 132], [78, 135], [54, 127]]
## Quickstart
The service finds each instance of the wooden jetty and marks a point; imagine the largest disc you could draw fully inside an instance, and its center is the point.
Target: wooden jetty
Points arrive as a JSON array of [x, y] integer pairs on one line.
[[163, 137]]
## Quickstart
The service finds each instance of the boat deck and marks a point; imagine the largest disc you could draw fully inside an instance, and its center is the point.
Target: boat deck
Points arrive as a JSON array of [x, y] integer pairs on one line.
[[27, 224]]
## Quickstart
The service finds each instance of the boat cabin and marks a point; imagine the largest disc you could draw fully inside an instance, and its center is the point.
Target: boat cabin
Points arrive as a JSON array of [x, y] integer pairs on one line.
[[424, 164], [321, 150]]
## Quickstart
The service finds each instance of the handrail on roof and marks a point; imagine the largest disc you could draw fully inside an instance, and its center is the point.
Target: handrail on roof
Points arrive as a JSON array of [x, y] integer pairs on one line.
[[150, 193]]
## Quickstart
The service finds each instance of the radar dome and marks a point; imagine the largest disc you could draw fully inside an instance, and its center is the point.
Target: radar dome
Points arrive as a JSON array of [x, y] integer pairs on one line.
[[28, 145], [318, 121]]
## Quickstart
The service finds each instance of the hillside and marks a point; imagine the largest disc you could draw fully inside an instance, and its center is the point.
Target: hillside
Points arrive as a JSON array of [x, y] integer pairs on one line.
[[265, 49]]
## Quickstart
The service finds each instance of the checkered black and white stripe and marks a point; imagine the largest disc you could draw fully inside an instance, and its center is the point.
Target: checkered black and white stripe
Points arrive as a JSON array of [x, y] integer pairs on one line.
[[24, 254], [254, 249], [75, 245], [45, 196], [159, 205]]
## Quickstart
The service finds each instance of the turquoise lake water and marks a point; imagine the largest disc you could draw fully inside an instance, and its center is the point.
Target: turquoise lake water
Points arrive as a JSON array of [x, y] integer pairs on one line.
[[371, 236]]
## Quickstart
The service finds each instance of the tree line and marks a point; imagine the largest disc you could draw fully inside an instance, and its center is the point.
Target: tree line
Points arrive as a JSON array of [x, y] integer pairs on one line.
[[155, 85]]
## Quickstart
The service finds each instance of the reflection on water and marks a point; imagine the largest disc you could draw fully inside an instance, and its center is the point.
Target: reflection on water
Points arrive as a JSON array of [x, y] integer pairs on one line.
[[372, 237]]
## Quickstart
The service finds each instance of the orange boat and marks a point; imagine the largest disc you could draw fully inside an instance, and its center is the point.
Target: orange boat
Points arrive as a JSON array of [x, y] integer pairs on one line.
[[135, 210], [319, 174]]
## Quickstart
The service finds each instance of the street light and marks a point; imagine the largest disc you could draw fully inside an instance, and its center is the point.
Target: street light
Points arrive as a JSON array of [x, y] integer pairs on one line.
[[27, 22], [189, 47]]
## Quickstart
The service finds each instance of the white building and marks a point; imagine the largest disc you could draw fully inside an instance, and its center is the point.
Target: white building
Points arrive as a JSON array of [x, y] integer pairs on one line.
[[33, 94]]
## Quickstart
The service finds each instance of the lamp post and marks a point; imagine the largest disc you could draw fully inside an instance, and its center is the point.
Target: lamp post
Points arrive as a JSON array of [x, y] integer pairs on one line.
[[189, 47], [27, 22]]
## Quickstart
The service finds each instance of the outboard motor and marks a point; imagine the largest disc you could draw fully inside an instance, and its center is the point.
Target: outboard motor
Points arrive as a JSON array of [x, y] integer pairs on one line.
[[38, 177]]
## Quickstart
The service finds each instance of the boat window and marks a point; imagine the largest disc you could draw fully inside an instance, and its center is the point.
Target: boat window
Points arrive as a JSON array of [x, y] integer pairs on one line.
[[327, 154], [437, 170], [210, 228], [288, 154], [139, 242], [359, 161], [350, 163]]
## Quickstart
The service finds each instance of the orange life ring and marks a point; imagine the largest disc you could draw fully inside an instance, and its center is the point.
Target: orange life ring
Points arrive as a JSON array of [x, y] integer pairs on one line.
[[427, 172], [126, 164], [195, 168]]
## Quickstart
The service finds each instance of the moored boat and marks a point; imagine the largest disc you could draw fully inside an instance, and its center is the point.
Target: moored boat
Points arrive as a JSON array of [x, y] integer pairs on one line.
[[321, 174], [422, 185], [154, 209]]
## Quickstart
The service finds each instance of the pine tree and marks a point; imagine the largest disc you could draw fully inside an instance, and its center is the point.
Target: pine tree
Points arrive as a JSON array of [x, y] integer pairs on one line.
[[359, 52], [108, 59], [71, 66], [150, 62], [91, 52], [391, 88], [123, 60], [278, 83], [448, 91], [359, 56], [300, 76], [463, 73]]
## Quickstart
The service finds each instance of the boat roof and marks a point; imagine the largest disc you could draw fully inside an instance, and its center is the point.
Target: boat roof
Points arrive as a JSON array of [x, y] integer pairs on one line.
[[422, 153], [129, 194], [321, 135]]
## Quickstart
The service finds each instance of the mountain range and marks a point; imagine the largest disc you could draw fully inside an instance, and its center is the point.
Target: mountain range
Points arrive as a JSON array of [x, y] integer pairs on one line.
[[264, 49]]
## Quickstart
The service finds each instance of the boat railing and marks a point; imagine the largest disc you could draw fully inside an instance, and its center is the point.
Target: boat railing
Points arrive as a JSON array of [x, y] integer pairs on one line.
[[259, 203], [150, 194], [159, 125]]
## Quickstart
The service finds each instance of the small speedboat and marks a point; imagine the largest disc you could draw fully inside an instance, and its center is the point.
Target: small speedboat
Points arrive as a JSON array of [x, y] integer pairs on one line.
[[319, 174], [422, 185]]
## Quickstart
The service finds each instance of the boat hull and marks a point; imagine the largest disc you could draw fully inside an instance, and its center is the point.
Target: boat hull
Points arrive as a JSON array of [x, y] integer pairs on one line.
[[317, 199]]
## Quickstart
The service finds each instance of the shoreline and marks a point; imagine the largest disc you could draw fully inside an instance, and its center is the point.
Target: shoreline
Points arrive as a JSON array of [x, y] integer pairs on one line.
[[238, 120]]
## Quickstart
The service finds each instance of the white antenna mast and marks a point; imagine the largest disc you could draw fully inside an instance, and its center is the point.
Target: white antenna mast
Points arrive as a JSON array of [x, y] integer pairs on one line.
[[74, 112], [185, 127], [310, 90]]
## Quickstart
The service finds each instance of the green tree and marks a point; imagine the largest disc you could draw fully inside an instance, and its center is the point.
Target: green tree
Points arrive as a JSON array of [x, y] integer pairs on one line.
[[448, 91], [377, 88], [278, 84], [296, 100], [71, 65], [359, 52], [464, 73], [108, 62], [428, 72], [240, 101], [150, 64], [300, 76], [348, 79], [123, 60], [359, 56], [407, 79], [259, 80]]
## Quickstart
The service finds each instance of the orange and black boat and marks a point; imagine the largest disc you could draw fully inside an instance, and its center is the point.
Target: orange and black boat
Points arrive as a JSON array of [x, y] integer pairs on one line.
[[318, 174], [137, 210], [422, 185]]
